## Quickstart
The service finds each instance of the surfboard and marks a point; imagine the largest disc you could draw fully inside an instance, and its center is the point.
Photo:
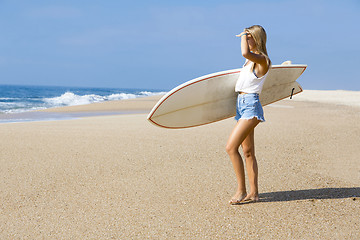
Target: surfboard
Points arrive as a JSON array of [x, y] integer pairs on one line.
[[212, 97]]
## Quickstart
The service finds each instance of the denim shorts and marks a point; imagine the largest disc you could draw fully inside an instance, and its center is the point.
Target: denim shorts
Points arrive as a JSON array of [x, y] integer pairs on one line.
[[248, 106]]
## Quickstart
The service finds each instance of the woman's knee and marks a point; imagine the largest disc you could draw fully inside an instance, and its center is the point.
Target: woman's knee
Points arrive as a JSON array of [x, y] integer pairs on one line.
[[231, 149], [249, 151]]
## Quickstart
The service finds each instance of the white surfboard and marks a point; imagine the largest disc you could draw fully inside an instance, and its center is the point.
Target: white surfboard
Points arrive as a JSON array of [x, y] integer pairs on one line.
[[212, 97]]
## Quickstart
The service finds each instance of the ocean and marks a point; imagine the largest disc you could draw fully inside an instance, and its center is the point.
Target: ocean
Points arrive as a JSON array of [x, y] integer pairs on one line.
[[16, 102], [17, 99]]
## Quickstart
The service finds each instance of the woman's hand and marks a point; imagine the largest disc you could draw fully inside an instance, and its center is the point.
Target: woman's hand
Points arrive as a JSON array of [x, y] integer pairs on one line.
[[243, 33]]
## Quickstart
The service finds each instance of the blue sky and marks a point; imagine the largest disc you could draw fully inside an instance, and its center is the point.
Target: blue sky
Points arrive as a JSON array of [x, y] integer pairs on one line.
[[161, 44]]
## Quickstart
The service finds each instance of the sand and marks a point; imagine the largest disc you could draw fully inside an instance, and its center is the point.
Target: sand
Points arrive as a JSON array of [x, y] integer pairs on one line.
[[120, 177], [337, 97]]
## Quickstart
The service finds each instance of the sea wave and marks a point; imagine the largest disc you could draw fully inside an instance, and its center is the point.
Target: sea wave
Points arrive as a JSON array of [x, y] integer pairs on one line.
[[69, 98], [17, 99], [72, 99], [18, 107]]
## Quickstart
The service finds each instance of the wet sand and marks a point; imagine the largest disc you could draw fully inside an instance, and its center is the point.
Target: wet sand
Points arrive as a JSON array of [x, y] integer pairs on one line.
[[120, 177]]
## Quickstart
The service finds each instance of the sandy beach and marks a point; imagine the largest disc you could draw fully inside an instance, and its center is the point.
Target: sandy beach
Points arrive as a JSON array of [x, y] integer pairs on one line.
[[120, 177]]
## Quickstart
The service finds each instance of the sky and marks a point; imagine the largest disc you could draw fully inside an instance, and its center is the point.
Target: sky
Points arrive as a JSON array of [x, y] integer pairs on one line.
[[161, 44]]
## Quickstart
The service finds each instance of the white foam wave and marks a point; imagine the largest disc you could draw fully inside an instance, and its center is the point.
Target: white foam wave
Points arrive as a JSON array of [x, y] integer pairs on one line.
[[21, 110], [120, 96], [71, 99], [18, 105], [146, 93], [5, 98]]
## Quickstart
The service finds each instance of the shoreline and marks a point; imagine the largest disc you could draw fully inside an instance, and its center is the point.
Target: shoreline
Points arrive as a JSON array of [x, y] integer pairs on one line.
[[145, 104], [118, 107], [41, 116]]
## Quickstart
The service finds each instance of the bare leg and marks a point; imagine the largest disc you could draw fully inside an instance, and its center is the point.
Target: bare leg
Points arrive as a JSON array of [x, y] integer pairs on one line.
[[248, 147], [242, 129]]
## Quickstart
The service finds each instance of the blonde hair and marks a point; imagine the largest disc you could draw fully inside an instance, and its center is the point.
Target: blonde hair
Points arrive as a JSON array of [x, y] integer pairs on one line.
[[259, 35]]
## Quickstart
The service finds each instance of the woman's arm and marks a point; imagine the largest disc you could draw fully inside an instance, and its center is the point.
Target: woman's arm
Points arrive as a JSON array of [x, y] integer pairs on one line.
[[247, 39]]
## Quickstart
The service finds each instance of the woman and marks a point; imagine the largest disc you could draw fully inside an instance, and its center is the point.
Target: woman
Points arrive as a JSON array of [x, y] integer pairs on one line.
[[249, 112]]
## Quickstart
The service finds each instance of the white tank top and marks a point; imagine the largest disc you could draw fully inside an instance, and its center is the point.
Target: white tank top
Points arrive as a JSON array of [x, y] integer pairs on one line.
[[248, 82]]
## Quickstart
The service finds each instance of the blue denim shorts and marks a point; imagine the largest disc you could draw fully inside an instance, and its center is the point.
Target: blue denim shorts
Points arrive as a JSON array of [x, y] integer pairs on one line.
[[248, 106]]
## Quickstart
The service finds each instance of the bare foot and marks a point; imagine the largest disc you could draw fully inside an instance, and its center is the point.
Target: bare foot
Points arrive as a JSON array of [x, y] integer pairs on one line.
[[237, 198], [251, 197]]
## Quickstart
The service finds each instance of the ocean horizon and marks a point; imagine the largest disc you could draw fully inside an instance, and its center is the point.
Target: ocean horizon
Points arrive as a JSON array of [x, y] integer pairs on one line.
[[26, 98]]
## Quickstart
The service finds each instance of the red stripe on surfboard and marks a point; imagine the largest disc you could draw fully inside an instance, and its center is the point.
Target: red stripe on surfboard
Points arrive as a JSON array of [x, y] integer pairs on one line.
[[218, 119], [189, 85], [304, 68]]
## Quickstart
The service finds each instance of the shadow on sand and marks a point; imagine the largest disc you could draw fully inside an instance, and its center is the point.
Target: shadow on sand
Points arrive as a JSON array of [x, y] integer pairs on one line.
[[323, 193]]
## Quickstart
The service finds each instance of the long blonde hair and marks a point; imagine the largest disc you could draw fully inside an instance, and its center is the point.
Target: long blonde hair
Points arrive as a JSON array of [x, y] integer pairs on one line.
[[259, 35]]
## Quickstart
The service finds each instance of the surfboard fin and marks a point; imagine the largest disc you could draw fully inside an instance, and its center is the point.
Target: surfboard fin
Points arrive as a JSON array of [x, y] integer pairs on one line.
[[292, 92]]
